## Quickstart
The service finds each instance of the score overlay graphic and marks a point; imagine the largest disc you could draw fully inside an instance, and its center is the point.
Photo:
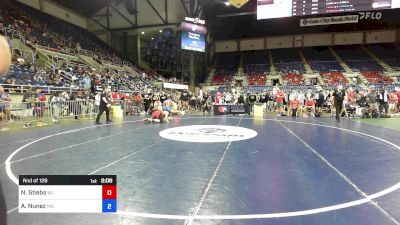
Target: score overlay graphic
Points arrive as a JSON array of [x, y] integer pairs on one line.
[[67, 193]]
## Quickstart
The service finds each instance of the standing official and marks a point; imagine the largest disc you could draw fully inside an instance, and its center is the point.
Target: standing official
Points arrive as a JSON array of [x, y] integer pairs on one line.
[[339, 96], [5, 62], [105, 105]]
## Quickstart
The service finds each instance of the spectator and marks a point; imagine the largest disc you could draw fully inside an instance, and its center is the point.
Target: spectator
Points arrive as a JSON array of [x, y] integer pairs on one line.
[[339, 96], [27, 100], [5, 102], [372, 100], [309, 109], [97, 99], [319, 102], [56, 105], [384, 102], [295, 107], [393, 99], [280, 95]]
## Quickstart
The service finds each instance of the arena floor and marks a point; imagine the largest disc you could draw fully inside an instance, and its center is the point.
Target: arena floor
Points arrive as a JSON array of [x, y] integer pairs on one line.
[[295, 171]]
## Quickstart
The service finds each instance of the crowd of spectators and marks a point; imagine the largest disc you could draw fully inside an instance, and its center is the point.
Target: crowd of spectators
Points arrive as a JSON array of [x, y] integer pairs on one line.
[[36, 29], [357, 102]]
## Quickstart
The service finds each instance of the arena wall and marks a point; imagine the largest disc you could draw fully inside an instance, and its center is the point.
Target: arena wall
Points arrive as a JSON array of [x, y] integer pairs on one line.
[[57, 11], [32, 3], [348, 38], [252, 44], [226, 46], [373, 37], [280, 42], [64, 14], [310, 40]]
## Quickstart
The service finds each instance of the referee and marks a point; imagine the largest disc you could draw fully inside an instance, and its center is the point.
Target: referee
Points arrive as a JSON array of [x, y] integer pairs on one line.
[[5, 62], [104, 106], [339, 96]]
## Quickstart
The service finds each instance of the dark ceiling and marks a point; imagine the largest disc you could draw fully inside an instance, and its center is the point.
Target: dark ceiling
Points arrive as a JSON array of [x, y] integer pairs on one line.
[[216, 7], [219, 8], [85, 7]]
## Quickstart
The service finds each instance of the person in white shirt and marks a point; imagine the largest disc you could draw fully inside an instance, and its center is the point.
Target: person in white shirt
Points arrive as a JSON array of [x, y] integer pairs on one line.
[[293, 95], [301, 96], [228, 97], [55, 103], [97, 101]]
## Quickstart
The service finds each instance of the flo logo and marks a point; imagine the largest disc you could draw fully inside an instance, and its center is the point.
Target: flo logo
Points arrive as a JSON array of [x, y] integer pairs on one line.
[[222, 109], [208, 133], [370, 15]]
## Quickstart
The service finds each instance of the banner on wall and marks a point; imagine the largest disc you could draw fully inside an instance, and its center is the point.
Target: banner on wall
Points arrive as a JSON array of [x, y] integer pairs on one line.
[[329, 20], [176, 86]]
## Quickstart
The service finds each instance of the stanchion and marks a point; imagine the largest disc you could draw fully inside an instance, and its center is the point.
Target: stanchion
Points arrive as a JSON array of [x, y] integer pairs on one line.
[[258, 110], [117, 111]]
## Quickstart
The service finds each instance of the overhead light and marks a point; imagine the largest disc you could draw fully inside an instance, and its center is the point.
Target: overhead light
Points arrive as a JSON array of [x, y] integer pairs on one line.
[[142, 32], [227, 3], [152, 38], [160, 31]]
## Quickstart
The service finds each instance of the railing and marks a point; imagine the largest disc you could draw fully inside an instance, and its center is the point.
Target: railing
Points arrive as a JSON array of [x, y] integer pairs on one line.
[[85, 52], [39, 113], [14, 88], [11, 33], [25, 113], [27, 55]]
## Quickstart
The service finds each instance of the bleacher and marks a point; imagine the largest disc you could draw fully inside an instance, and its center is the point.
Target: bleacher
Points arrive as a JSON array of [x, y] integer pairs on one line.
[[376, 77], [256, 79], [389, 87], [357, 59], [321, 59], [58, 43], [293, 79], [255, 62], [287, 61], [333, 78], [346, 86], [301, 87], [256, 67], [389, 53], [285, 88], [20, 75], [228, 64], [364, 65]]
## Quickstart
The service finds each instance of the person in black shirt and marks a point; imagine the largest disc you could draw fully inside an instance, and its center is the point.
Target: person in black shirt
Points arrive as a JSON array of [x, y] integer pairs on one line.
[[146, 102], [270, 101], [185, 100], [339, 96], [206, 103], [241, 99], [104, 106], [263, 98], [163, 97], [155, 98], [319, 102], [383, 99], [252, 98]]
